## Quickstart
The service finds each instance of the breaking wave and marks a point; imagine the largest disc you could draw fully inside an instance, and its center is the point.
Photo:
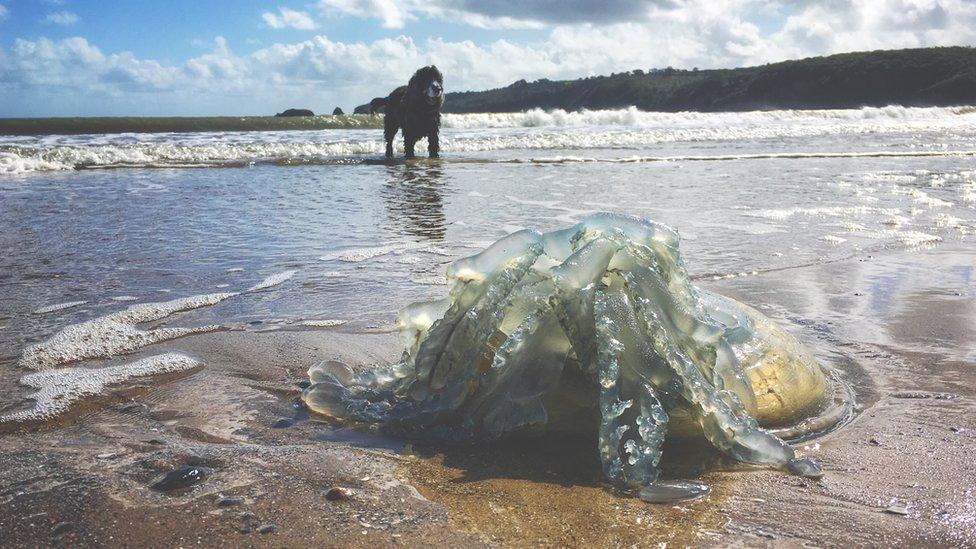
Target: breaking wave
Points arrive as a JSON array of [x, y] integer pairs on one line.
[[634, 117], [534, 130]]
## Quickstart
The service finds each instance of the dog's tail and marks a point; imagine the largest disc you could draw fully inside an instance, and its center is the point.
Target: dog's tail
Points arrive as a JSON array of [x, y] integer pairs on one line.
[[376, 104]]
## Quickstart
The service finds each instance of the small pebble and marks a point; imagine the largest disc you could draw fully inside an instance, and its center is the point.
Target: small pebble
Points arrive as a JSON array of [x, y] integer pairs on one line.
[[184, 477], [106, 456], [957, 429], [875, 442], [304, 384], [267, 528], [897, 509], [62, 528], [338, 493], [230, 501], [283, 423]]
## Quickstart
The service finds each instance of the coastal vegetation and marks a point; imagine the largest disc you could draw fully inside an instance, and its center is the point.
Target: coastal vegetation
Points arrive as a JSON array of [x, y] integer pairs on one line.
[[911, 77]]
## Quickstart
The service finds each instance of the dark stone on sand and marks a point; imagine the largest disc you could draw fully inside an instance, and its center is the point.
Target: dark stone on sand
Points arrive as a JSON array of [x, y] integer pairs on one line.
[[283, 423], [267, 528], [295, 112], [957, 429], [338, 493], [875, 442], [181, 478], [230, 501], [305, 384], [249, 522], [62, 528], [337, 112]]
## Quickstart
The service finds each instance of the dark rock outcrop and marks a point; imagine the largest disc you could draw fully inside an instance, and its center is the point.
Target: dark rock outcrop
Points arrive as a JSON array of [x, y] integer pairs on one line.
[[337, 112], [296, 112], [378, 104]]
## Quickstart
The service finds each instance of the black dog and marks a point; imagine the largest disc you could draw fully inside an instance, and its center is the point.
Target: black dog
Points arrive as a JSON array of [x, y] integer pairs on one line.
[[416, 108]]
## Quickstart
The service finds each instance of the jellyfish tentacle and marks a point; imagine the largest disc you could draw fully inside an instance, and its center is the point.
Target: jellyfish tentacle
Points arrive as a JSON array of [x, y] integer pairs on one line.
[[612, 407], [477, 305], [509, 395], [724, 420], [576, 280], [644, 449], [688, 325], [629, 451]]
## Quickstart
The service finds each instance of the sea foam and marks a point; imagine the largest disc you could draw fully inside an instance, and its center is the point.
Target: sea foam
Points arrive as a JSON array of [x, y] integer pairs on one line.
[[118, 333], [472, 133], [58, 307], [58, 389]]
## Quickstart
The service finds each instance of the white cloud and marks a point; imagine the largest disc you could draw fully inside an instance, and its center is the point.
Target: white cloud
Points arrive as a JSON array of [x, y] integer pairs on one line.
[[63, 18], [393, 14], [3, 12], [288, 18], [319, 72], [831, 27], [498, 14]]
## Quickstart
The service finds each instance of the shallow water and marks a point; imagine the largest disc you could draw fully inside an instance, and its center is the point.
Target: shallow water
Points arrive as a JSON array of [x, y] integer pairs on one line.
[[748, 192]]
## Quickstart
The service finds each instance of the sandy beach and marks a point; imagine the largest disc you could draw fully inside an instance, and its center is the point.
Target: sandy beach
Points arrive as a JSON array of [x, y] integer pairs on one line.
[[463, 273], [900, 473]]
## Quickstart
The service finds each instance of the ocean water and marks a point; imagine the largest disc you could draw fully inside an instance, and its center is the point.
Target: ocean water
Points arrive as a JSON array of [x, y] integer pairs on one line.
[[302, 230]]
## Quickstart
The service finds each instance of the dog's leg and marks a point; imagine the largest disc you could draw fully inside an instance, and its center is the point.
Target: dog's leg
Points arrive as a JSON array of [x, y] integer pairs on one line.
[[433, 145], [408, 143], [389, 132]]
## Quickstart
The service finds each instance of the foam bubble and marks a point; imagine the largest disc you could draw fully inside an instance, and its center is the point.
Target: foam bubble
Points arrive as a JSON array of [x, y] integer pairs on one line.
[[357, 255], [58, 389], [116, 333], [917, 238], [330, 323], [435, 280], [272, 280], [58, 307]]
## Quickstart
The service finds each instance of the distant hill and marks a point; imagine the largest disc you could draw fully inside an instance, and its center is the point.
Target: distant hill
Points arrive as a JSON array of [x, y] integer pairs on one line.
[[911, 77]]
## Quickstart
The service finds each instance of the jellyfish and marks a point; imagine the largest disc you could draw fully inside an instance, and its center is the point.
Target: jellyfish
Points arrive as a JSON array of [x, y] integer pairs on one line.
[[596, 327]]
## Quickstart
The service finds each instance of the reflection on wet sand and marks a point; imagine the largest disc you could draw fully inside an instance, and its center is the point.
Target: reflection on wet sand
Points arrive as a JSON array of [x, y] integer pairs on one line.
[[413, 195]]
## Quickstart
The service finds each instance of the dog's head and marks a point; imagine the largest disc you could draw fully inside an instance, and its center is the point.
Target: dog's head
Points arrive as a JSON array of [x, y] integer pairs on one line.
[[428, 83]]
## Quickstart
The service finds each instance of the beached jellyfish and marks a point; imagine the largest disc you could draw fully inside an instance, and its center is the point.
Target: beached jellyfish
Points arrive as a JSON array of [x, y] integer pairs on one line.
[[595, 327]]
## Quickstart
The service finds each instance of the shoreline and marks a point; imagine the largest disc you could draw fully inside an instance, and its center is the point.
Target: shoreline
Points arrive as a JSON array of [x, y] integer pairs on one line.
[[896, 474]]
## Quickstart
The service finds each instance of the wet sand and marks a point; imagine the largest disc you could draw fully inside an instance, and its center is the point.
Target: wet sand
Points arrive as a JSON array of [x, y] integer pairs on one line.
[[901, 325]]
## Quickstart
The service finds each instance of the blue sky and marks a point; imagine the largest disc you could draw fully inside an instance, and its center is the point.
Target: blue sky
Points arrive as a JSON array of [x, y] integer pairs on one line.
[[222, 57], [177, 30]]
